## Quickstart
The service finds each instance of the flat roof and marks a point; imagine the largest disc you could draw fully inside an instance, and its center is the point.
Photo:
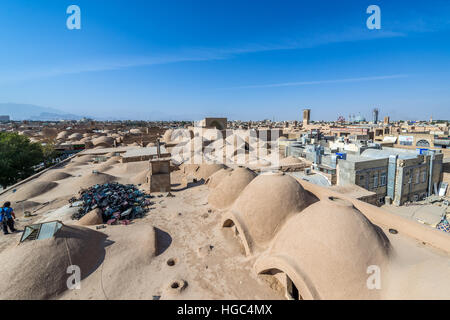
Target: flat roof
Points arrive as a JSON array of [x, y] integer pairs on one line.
[[353, 191], [148, 151], [128, 151], [359, 158], [106, 150], [386, 152]]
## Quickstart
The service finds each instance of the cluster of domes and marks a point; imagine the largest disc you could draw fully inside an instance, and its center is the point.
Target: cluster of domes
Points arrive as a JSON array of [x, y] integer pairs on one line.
[[104, 141], [226, 192], [323, 244], [326, 251], [266, 203]]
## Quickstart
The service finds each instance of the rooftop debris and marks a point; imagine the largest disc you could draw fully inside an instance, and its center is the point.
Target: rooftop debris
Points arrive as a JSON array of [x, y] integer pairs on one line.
[[444, 225], [119, 203]]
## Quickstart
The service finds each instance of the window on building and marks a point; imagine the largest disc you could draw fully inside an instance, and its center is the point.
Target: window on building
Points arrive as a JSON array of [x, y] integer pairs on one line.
[[417, 177], [375, 181], [362, 181], [422, 143], [424, 176], [406, 179], [383, 179]]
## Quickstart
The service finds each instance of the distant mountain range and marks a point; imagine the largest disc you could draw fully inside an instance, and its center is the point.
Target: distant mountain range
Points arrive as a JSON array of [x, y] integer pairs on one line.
[[18, 111]]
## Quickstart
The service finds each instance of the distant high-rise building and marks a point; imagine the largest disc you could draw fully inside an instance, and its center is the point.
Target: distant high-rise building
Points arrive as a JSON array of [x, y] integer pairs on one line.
[[4, 119], [386, 120], [306, 116], [375, 116]]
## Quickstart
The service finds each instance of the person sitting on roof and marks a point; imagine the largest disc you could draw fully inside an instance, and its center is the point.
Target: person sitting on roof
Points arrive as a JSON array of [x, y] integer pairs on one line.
[[7, 217]]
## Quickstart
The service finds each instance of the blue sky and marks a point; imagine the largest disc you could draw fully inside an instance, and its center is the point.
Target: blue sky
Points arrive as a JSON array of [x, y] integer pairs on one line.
[[239, 59]]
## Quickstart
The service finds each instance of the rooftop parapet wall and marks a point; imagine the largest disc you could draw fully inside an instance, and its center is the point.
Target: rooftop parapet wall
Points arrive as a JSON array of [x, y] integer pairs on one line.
[[381, 217], [368, 164]]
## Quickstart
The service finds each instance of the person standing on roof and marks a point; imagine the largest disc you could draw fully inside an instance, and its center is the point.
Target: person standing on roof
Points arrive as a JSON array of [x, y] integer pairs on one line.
[[7, 217]]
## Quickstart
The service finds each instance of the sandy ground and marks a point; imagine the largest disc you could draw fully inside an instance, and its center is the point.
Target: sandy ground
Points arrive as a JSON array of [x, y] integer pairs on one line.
[[429, 214], [208, 261], [416, 271]]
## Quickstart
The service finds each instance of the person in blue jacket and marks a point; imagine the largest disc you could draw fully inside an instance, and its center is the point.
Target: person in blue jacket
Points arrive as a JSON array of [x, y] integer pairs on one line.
[[7, 217]]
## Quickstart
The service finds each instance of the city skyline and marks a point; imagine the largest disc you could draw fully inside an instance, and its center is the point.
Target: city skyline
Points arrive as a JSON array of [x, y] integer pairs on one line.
[[246, 61]]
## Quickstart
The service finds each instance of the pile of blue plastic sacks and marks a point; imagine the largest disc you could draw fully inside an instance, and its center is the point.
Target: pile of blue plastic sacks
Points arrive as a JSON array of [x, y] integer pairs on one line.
[[444, 225], [119, 203]]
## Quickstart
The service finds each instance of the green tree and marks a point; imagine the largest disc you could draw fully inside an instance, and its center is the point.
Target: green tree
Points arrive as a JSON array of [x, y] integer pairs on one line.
[[17, 157], [49, 152]]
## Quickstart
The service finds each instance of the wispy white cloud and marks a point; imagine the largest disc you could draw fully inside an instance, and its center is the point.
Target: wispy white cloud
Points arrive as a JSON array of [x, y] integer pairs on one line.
[[318, 82], [106, 64], [184, 55]]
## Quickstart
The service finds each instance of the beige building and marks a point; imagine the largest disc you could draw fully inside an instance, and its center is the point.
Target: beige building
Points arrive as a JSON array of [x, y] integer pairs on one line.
[[370, 174], [217, 123], [158, 177], [398, 174], [306, 116]]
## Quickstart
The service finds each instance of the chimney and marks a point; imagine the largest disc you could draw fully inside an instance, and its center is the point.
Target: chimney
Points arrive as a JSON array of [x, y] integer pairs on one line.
[[158, 148]]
